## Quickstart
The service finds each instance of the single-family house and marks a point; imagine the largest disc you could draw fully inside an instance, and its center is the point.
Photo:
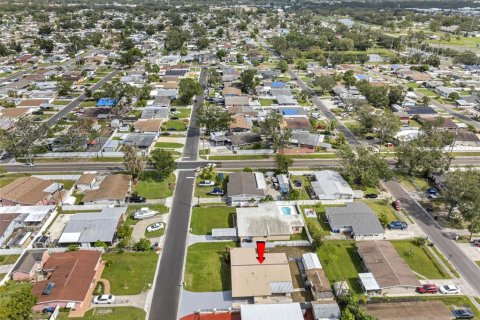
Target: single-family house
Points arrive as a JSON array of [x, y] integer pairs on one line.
[[389, 271], [243, 188], [275, 311], [330, 185], [356, 220], [326, 311], [268, 222], [113, 190], [306, 139], [70, 278], [31, 191], [148, 126], [86, 182], [267, 282], [316, 278]]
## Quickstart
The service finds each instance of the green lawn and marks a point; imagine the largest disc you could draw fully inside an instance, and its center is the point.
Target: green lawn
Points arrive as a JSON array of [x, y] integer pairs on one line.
[[88, 104], [204, 219], [206, 270], [131, 272], [419, 259], [412, 183], [178, 125], [381, 206], [267, 102], [61, 102], [151, 186], [413, 85], [462, 41], [172, 145], [426, 92], [67, 184], [303, 189], [183, 112], [9, 259], [115, 313], [341, 261]]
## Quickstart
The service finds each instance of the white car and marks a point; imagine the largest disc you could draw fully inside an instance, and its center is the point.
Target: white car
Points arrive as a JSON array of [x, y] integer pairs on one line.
[[29, 164], [449, 289], [155, 227], [206, 183], [104, 299]]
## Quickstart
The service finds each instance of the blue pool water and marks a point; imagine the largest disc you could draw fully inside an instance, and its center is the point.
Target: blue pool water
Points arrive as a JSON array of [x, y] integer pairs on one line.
[[286, 211]]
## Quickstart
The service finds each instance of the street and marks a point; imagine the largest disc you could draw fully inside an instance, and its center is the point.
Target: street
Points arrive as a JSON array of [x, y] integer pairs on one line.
[[467, 269], [168, 283]]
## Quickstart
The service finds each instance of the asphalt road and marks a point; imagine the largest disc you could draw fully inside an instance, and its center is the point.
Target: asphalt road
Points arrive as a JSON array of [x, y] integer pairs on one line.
[[349, 136], [467, 269], [191, 165], [166, 295]]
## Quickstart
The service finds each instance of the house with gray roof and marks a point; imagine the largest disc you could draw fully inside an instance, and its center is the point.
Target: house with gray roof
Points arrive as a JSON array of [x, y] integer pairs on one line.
[[307, 139], [276, 92], [143, 141], [30, 262], [286, 100], [243, 187], [330, 185], [155, 112], [87, 228], [356, 220]]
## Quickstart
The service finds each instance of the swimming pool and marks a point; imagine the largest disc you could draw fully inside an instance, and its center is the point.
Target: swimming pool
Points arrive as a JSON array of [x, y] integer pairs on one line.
[[287, 210]]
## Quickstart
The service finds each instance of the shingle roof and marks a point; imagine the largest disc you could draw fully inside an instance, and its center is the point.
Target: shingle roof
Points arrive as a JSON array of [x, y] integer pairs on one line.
[[356, 215], [114, 187], [27, 190], [240, 183]]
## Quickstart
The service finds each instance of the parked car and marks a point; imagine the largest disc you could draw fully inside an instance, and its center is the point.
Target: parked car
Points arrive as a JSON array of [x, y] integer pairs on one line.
[[449, 289], [104, 299], [427, 288], [155, 227], [29, 164], [396, 205], [397, 225], [206, 183], [463, 314], [476, 243], [298, 183], [216, 192], [371, 196], [137, 199], [432, 193]]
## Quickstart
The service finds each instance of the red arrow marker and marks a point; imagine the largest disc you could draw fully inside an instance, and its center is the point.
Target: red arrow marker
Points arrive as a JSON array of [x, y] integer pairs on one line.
[[260, 251]]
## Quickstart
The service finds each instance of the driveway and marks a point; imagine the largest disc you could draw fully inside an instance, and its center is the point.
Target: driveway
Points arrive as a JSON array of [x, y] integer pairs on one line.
[[472, 252], [137, 301], [412, 231], [193, 301], [139, 228]]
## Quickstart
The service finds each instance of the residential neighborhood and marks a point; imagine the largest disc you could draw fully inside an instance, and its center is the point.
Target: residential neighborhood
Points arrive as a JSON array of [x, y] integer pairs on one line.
[[244, 160]]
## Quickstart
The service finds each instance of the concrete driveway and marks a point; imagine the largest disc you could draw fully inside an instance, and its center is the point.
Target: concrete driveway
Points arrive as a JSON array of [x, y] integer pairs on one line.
[[193, 301], [472, 252], [137, 301], [412, 231], [139, 228]]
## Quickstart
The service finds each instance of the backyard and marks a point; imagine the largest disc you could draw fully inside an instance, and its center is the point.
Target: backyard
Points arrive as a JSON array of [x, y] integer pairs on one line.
[[341, 261], [382, 206], [151, 186], [204, 219], [175, 125], [130, 272], [117, 313], [206, 271], [420, 260]]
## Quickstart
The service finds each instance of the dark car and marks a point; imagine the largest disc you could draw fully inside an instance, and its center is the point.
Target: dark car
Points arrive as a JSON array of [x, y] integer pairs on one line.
[[216, 192], [371, 196], [476, 243], [397, 225], [174, 118], [396, 205], [172, 129], [137, 199], [369, 137], [427, 288], [298, 183], [463, 314]]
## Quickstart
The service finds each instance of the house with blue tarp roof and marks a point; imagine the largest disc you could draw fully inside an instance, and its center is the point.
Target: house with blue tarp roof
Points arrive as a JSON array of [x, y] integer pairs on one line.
[[106, 103], [278, 84]]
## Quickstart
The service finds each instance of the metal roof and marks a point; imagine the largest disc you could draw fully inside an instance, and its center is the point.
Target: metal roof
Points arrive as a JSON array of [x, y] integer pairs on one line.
[[368, 281], [311, 261], [277, 311]]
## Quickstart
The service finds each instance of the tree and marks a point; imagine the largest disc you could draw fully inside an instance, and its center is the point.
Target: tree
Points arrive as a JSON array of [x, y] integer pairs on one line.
[[175, 38], [396, 95], [302, 65], [143, 244], [347, 315], [383, 218], [276, 137], [163, 162], [20, 139], [64, 87], [45, 30], [324, 83], [221, 54], [240, 58], [363, 168], [133, 162], [19, 306], [247, 79], [283, 162], [124, 232], [454, 96], [426, 100], [388, 124], [282, 66], [100, 244], [214, 118], [315, 232], [349, 78], [188, 88], [202, 43]]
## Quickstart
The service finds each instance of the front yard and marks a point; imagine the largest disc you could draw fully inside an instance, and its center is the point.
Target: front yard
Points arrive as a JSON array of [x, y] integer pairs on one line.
[[204, 219], [116, 313], [341, 261], [160, 208], [382, 206], [206, 270], [130, 272], [151, 186], [420, 260]]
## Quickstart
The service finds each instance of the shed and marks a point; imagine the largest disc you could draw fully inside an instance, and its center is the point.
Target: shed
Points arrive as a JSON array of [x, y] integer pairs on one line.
[[283, 183], [310, 261]]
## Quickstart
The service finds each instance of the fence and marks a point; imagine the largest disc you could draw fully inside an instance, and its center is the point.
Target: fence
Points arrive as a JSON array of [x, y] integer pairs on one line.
[[255, 152], [13, 251], [57, 176], [113, 154]]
